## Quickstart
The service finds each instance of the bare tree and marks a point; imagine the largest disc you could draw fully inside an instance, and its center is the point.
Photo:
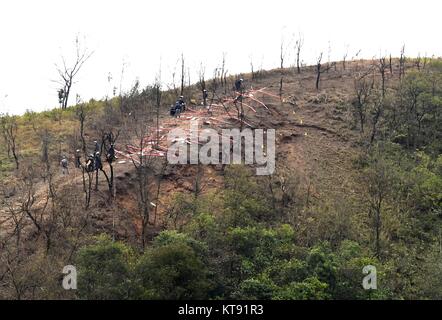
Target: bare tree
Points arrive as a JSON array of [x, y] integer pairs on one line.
[[225, 81], [281, 57], [425, 61], [86, 174], [382, 66], [390, 64], [298, 46], [214, 83], [143, 165], [182, 74], [344, 60], [418, 61], [67, 73], [202, 83], [239, 107], [402, 63], [42, 216], [9, 130], [376, 113], [378, 182], [158, 96], [353, 58], [148, 167], [109, 139], [328, 57], [363, 89], [252, 68], [320, 70], [223, 69]]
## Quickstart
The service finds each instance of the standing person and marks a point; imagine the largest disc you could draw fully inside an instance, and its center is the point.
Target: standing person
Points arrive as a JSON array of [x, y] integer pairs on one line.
[[90, 163], [97, 146], [205, 96], [239, 90], [238, 85], [77, 159], [182, 103], [178, 109], [64, 165], [111, 154], [97, 166], [97, 162]]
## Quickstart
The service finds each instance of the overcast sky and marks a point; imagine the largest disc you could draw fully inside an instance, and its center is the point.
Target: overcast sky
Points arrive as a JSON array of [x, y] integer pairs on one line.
[[147, 35]]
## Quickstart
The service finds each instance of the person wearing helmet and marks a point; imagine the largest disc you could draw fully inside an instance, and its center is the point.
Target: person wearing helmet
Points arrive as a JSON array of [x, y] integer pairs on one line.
[[238, 84], [178, 109], [205, 96], [97, 161], [97, 146], [239, 90], [77, 159], [182, 103]]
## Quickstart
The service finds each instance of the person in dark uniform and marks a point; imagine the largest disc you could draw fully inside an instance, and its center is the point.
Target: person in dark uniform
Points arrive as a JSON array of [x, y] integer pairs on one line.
[[205, 96], [97, 162], [178, 109], [111, 154], [97, 146], [77, 159], [238, 84], [182, 103]]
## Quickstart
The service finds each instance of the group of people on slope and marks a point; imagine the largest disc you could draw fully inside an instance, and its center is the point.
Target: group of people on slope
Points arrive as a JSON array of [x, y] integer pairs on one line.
[[92, 162], [180, 105]]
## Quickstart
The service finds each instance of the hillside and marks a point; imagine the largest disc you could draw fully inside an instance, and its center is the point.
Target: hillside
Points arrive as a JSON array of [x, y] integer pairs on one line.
[[341, 197]]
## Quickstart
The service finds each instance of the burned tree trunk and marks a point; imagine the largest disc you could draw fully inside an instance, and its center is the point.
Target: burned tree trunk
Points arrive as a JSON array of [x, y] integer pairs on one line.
[[182, 75], [382, 68], [67, 74], [9, 127]]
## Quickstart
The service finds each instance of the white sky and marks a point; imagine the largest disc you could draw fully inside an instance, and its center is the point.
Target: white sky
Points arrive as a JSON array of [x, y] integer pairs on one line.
[[34, 34]]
